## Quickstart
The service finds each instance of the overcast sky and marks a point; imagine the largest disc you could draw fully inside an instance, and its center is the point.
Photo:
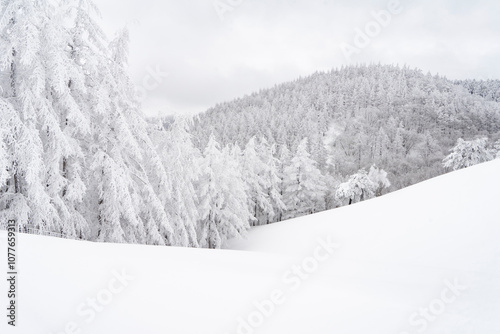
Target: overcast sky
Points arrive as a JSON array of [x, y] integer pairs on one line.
[[214, 55]]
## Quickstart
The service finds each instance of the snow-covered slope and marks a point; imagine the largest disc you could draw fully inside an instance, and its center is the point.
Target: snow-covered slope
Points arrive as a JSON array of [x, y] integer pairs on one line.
[[423, 259]]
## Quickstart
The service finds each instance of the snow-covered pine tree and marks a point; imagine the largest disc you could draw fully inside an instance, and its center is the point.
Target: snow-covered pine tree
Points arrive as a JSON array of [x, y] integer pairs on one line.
[[66, 79], [253, 172], [155, 190], [223, 203], [22, 195], [114, 156], [381, 147], [271, 173], [182, 163], [430, 152], [304, 184], [284, 157]]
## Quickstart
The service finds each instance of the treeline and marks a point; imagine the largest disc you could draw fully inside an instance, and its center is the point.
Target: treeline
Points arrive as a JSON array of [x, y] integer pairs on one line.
[[220, 191]]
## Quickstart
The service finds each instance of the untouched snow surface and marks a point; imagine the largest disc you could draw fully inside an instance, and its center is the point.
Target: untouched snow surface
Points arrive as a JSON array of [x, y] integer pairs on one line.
[[425, 259]]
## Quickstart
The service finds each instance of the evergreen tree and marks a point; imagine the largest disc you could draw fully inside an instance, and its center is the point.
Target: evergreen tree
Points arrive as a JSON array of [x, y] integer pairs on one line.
[[284, 157], [271, 174], [253, 171], [22, 195], [182, 161], [223, 203]]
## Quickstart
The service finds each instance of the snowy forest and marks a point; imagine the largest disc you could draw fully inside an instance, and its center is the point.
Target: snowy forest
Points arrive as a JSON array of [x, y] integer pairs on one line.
[[78, 157]]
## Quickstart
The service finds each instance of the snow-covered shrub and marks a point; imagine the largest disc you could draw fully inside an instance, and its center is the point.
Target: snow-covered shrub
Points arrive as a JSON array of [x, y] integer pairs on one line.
[[358, 188], [468, 153]]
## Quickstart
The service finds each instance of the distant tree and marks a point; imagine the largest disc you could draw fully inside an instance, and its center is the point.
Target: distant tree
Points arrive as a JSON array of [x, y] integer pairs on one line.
[[284, 157], [381, 147], [253, 171], [497, 148], [304, 184], [379, 177], [429, 150], [467, 153], [271, 174]]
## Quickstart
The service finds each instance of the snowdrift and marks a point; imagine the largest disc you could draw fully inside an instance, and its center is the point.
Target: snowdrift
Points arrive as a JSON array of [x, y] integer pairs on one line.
[[422, 259]]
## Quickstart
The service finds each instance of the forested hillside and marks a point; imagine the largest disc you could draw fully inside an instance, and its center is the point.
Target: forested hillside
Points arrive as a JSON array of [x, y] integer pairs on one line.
[[400, 119]]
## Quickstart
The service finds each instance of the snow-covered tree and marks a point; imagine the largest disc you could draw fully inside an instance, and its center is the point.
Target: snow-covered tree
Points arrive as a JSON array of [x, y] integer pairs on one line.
[[304, 184], [271, 174], [182, 164], [254, 173], [117, 161], [429, 150], [35, 75], [22, 195], [284, 157], [358, 188], [223, 203], [468, 153]]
